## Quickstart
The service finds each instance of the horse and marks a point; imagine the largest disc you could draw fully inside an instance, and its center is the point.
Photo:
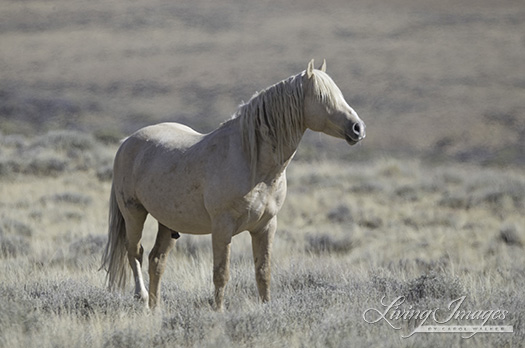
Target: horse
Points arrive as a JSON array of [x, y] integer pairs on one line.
[[221, 183]]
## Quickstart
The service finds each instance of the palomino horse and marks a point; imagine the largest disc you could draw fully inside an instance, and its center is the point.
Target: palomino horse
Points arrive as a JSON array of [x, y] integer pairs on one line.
[[225, 182]]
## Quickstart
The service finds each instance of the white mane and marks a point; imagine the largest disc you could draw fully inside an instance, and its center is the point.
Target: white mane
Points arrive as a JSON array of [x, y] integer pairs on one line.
[[275, 114]]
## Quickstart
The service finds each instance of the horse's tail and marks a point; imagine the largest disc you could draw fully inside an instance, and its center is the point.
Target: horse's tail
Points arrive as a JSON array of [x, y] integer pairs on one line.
[[114, 259]]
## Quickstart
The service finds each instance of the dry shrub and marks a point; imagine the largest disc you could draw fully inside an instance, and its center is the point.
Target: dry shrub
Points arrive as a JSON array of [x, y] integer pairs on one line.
[[13, 246], [14, 227], [425, 287], [14, 238], [67, 198], [75, 298], [340, 214], [433, 286], [326, 244], [54, 153], [510, 236]]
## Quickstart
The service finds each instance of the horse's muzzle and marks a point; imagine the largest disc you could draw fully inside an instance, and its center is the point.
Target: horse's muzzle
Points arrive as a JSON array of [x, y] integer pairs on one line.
[[356, 133]]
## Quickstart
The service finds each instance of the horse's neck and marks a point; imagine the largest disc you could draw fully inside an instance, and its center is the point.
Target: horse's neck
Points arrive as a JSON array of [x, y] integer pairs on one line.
[[269, 163]]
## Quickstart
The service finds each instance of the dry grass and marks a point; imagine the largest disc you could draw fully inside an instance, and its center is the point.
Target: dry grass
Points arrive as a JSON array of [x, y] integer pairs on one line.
[[349, 234]]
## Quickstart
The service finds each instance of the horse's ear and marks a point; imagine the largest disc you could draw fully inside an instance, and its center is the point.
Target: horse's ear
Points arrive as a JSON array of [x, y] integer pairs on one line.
[[310, 69], [323, 66]]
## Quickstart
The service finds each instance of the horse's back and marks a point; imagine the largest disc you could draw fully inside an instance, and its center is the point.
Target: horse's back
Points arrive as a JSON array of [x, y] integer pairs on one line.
[[169, 135], [149, 142]]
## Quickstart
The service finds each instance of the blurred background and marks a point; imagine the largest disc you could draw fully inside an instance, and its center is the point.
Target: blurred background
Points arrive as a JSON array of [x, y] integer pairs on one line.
[[438, 80]]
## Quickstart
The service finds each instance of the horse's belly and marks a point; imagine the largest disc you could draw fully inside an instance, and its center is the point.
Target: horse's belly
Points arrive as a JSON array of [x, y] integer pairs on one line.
[[184, 221], [180, 212]]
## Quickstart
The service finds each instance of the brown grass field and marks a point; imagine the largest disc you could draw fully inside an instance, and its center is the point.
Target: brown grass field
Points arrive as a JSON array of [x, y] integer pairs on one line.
[[430, 207]]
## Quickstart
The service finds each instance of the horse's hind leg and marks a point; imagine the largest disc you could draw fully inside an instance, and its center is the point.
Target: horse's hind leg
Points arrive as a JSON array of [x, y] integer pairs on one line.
[[134, 225], [157, 261]]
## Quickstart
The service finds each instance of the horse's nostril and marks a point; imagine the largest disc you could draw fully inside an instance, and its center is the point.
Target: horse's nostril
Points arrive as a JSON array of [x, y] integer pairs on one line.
[[357, 129]]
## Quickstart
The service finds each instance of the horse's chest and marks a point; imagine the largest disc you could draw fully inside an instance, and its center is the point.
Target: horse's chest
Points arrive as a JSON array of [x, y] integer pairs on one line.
[[261, 204]]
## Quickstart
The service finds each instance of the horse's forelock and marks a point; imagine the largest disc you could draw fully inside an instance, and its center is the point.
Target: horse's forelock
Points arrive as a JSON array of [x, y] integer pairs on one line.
[[325, 89]]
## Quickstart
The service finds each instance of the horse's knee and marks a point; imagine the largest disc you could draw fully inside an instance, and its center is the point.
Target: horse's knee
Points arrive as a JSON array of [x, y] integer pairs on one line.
[[263, 273], [221, 275]]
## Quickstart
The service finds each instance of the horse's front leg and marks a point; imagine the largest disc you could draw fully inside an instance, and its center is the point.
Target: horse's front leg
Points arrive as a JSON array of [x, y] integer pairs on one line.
[[221, 241], [262, 248]]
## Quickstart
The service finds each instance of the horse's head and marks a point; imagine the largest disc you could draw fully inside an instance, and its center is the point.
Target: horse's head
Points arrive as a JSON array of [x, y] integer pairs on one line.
[[325, 108]]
